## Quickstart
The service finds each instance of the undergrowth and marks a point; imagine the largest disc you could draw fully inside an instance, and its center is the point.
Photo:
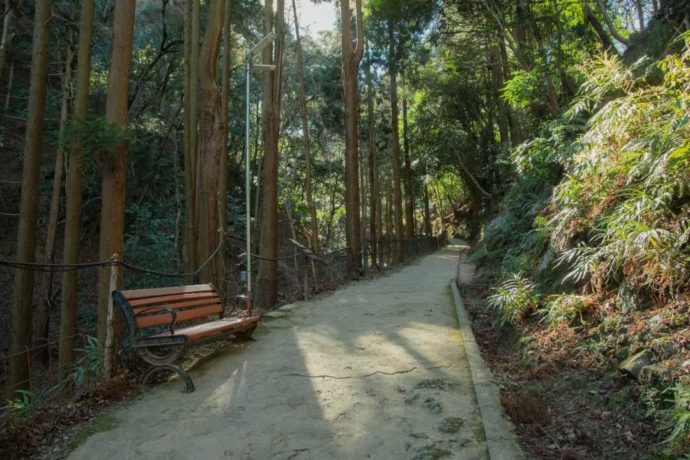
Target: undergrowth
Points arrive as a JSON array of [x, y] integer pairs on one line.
[[593, 238]]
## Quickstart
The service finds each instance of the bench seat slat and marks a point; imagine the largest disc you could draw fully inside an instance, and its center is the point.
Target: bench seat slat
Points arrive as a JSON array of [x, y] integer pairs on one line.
[[196, 333], [133, 294], [152, 309], [144, 322], [172, 299]]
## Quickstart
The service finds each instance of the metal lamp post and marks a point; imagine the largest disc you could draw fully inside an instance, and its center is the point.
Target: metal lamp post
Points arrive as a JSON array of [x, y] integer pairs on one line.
[[247, 175]]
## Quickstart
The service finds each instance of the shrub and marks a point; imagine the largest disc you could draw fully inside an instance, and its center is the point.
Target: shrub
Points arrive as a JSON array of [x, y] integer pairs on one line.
[[568, 308], [679, 439], [514, 299]]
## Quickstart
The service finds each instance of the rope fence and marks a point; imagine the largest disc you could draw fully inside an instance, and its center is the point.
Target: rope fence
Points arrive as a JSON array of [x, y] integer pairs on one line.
[[300, 274]]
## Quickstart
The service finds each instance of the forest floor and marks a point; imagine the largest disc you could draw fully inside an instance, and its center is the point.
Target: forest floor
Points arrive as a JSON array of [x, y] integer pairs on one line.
[[564, 404], [375, 370]]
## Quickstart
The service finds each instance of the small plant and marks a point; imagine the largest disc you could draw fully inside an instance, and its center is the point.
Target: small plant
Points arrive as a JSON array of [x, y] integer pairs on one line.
[[566, 308], [679, 439], [26, 404], [90, 365], [514, 299]]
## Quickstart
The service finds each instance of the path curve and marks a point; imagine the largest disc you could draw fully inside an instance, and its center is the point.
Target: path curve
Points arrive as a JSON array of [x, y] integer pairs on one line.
[[375, 370]]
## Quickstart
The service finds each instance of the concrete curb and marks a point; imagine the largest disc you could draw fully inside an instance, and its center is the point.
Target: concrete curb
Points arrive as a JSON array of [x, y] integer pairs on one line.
[[500, 440]]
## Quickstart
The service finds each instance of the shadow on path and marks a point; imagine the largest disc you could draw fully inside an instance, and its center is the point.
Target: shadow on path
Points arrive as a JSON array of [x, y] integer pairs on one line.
[[374, 370]]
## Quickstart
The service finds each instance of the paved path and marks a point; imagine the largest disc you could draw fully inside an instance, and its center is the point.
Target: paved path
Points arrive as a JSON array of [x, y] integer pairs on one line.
[[374, 370]]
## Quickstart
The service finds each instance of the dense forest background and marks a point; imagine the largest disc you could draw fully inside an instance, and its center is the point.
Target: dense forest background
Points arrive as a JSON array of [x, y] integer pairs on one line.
[[555, 132]]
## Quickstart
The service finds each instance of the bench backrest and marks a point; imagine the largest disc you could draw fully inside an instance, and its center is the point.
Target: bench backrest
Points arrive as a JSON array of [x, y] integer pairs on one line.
[[190, 303]]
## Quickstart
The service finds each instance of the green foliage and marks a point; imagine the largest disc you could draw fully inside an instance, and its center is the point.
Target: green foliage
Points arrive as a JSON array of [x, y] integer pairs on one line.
[[679, 439], [514, 299], [521, 90], [90, 365], [626, 194], [567, 308], [95, 137], [27, 404]]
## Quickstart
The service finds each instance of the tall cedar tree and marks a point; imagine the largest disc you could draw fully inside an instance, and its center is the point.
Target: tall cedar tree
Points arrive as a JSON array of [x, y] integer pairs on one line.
[[73, 191], [22, 298], [268, 244], [314, 224], [213, 130], [351, 57], [395, 145], [191, 111], [115, 165]]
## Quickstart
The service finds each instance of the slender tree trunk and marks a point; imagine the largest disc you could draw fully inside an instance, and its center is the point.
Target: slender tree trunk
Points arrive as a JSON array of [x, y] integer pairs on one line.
[[494, 61], [516, 136], [73, 191], [115, 167], [43, 317], [22, 297], [439, 206], [305, 138], [7, 36], [373, 167], [351, 57], [221, 261], [390, 225], [213, 137], [268, 268], [10, 79], [409, 185], [362, 173], [606, 42], [258, 167], [191, 130], [640, 13], [427, 212], [395, 149], [611, 26]]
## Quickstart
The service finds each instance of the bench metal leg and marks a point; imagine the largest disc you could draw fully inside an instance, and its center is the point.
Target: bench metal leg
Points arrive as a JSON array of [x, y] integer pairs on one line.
[[245, 335], [188, 383], [160, 356]]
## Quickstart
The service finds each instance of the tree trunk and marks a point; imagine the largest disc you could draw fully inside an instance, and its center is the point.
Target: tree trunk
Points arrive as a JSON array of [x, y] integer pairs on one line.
[[409, 185], [395, 149], [373, 168], [10, 78], [516, 136], [606, 42], [351, 57], [191, 26], [73, 192], [390, 234], [213, 137], [258, 166], [20, 333], [305, 138], [115, 167], [612, 28], [501, 107], [268, 269], [43, 317], [439, 206], [7, 36], [640, 14], [223, 177], [427, 212]]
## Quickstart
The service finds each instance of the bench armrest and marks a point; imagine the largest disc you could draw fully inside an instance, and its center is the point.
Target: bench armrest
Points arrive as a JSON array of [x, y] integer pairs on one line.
[[172, 313]]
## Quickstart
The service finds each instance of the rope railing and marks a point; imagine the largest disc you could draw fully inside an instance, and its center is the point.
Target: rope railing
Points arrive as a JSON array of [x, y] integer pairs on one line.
[[44, 267], [298, 276]]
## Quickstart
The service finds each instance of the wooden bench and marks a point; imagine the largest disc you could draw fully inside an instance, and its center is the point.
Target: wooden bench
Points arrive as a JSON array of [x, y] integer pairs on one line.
[[151, 319]]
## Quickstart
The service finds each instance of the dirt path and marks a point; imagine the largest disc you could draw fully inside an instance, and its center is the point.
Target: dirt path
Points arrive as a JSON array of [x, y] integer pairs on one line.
[[375, 370]]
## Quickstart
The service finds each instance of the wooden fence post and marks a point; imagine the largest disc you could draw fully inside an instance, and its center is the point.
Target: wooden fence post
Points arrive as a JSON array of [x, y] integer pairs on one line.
[[109, 329]]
